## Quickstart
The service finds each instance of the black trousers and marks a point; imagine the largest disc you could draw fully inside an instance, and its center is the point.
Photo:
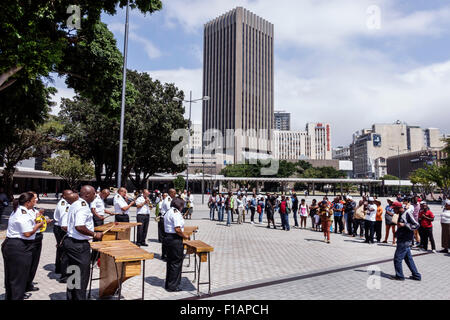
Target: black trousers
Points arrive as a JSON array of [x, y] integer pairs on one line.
[[97, 221], [338, 222], [37, 248], [174, 244], [350, 223], [425, 234], [252, 216], [122, 218], [142, 229], [369, 227], [358, 223], [59, 234], [161, 236], [378, 227], [17, 259], [79, 256]]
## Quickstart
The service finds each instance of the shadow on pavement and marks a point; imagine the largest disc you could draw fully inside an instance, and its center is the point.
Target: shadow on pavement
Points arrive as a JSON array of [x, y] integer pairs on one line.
[[316, 240], [382, 274], [58, 296], [51, 275]]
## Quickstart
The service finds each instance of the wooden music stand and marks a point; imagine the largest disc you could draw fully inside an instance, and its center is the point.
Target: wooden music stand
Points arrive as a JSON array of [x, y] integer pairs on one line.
[[202, 250], [119, 261]]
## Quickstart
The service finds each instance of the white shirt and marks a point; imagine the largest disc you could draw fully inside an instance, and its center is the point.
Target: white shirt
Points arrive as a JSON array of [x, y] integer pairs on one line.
[[191, 200], [99, 205], [119, 203], [79, 215], [173, 219], [21, 221], [144, 209], [165, 205], [371, 212], [60, 211], [35, 213]]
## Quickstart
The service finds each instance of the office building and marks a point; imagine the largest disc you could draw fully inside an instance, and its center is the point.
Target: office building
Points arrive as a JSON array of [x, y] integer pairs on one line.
[[282, 120], [238, 77], [411, 161]]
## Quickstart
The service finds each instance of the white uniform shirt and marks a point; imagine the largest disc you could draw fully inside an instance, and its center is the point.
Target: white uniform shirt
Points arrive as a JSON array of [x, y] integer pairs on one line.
[[173, 219], [119, 203], [144, 209], [35, 213], [60, 211], [371, 215], [79, 215], [165, 205], [99, 205], [21, 221], [191, 200]]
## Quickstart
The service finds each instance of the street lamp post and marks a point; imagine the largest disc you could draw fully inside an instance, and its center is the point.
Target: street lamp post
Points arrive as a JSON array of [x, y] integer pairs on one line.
[[205, 98], [398, 160]]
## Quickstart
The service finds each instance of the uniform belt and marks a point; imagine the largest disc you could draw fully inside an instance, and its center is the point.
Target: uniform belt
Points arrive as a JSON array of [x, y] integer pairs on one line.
[[22, 240], [172, 235], [77, 240]]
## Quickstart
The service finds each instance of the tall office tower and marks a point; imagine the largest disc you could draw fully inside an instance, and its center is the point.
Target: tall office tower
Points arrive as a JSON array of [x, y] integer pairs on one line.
[[282, 121], [320, 141], [238, 78]]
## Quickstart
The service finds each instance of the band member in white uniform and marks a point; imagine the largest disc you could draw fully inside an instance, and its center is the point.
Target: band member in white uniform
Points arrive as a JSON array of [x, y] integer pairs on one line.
[[61, 208], [143, 216], [165, 206], [17, 249], [80, 229], [98, 208], [121, 206], [173, 241]]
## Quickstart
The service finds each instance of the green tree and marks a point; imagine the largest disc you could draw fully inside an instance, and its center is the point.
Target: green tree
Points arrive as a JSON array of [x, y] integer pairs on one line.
[[389, 177], [423, 179], [70, 168], [179, 183]]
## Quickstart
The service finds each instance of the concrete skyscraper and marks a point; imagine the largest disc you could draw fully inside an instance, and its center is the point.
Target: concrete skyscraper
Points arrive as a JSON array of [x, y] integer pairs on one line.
[[238, 77]]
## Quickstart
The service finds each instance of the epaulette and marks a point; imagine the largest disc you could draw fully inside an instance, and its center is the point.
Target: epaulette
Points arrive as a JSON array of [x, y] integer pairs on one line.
[[24, 211], [67, 209], [83, 204], [63, 203]]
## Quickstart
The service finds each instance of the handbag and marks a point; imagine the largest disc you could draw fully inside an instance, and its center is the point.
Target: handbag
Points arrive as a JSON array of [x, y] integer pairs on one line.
[[395, 218]]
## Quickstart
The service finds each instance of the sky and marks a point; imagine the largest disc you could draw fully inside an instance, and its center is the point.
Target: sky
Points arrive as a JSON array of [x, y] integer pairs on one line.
[[349, 63]]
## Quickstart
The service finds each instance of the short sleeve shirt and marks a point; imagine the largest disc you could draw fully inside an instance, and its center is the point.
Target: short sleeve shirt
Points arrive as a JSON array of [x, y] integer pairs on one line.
[[20, 222], [79, 215], [371, 212], [166, 205], [119, 203], [144, 209], [99, 205], [60, 211], [173, 219]]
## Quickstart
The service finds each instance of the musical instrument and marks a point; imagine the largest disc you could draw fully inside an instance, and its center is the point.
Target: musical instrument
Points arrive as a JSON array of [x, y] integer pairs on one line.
[[41, 218], [117, 230], [202, 250], [119, 261]]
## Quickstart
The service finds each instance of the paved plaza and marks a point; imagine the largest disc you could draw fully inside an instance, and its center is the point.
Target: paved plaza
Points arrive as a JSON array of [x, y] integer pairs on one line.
[[253, 262]]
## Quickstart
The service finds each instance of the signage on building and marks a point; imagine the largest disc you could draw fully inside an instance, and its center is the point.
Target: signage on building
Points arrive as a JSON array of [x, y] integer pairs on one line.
[[377, 140]]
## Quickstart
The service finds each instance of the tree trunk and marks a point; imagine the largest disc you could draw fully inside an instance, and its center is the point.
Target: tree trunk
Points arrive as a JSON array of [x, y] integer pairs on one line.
[[8, 178]]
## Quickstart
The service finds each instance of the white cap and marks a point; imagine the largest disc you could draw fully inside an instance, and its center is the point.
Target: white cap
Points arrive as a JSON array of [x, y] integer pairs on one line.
[[349, 197], [371, 199], [423, 202]]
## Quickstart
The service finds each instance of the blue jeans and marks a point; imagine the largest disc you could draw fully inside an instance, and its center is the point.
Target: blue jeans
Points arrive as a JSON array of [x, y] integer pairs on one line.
[[229, 213], [261, 216], [212, 210], [285, 221], [403, 252], [221, 212], [295, 217]]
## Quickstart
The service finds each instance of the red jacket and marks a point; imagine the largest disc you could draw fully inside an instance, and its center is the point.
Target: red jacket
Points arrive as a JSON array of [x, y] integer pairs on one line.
[[425, 223]]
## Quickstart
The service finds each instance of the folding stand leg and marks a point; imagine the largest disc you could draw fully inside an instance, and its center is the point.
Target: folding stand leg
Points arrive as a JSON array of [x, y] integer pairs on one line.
[[92, 272], [143, 278], [198, 280], [209, 274], [119, 280]]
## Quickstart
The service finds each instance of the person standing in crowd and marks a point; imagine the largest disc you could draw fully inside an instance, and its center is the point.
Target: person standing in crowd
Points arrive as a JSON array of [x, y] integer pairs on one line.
[[165, 206], [228, 207], [312, 213], [4, 202], [173, 241], [252, 205], [37, 247], [212, 205], [378, 221], [121, 206], [98, 208], [240, 208], [17, 249], [260, 208], [337, 212], [390, 225], [221, 207], [80, 229], [349, 209], [415, 203], [326, 216], [61, 208], [405, 234], [233, 206], [369, 222], [270, 210], [295, 209], [189, 205], [426, 218], [284, 213], [143, 205], [445, 225], [304, 211], [359, 219]]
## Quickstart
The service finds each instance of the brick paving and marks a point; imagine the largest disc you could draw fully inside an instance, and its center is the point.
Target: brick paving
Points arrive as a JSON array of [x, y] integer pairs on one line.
[[248, 254]]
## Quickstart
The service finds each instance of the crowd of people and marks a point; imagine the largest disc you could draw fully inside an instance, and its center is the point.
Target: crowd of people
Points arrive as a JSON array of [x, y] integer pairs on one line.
[[408, 222]]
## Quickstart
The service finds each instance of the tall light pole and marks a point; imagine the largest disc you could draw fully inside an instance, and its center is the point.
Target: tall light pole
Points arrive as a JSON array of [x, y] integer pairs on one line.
[[122, 113], [205, 98], [398, 158]]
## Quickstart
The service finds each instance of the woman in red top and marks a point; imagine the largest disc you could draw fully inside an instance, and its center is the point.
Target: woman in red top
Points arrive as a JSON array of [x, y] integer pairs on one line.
[[426, 218]]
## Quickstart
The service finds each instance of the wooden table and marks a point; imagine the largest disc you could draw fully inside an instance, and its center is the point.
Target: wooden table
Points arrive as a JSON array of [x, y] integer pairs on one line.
[[119, 261], [190, 231], [119, 231], [202, 250]]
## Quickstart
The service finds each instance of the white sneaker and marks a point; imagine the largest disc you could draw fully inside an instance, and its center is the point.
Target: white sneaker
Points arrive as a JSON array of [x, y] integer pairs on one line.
[[434, 251], [252, 222]]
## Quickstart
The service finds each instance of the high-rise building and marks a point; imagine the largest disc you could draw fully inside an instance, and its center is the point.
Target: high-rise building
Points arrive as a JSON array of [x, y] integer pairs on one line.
[[320, 141], [238, 78], [371, 147], [282, 120]]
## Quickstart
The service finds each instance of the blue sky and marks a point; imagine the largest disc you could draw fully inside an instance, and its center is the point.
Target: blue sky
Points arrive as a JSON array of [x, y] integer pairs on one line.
[[329, 65]]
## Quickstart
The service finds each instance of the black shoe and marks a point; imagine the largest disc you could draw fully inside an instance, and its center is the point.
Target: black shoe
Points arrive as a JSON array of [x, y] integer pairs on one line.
[[396, 278], [268, 227], [444, 251], [31, 289], [174, 290], [26, 296], [414, 278], [144, 244]]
